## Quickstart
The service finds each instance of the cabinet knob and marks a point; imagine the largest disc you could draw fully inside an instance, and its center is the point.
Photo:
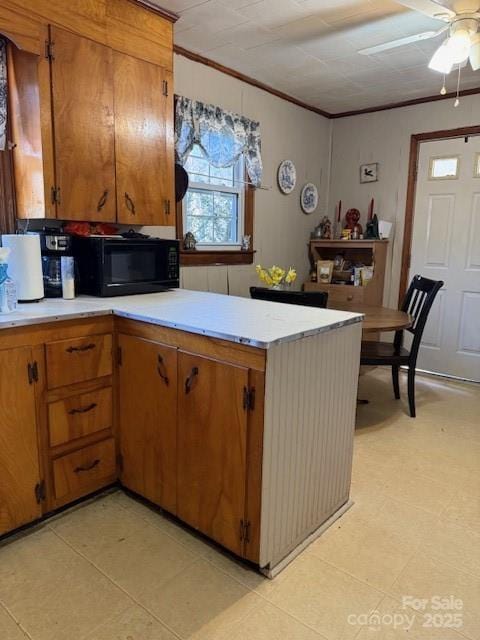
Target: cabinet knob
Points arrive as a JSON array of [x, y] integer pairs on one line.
[[130, 204], [86, 409], [349, 298], [87, 467], [190, 379], [85, 347], [103, 200], [162, 370]]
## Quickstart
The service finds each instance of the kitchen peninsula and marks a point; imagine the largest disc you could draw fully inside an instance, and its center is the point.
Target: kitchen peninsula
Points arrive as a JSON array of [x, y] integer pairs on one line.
[[234, 415]]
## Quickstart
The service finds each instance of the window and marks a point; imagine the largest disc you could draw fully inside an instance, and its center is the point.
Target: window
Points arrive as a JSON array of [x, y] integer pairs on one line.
[[444, 168], [476, 170], [213, 207]]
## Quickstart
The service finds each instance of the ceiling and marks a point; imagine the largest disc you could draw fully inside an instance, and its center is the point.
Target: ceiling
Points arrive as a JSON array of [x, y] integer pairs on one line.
[[308, 48]]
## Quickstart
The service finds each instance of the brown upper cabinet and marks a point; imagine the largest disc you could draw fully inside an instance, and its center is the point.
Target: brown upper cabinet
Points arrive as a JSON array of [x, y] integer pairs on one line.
[[91, 106], [142, 142], [83, 125]]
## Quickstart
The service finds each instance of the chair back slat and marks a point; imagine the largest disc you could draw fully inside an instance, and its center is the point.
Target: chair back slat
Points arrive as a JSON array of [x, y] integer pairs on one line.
[[306, 298], [417, 302]]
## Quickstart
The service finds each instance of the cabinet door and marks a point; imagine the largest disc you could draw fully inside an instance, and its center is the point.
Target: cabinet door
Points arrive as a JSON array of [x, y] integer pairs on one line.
[[82, 100], [19, 465], [144, 165], [148, 419], [211, 448]]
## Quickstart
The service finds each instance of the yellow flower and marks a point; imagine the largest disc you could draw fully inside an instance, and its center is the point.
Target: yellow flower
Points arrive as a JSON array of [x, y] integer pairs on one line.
[[275, 275], [291, 276]]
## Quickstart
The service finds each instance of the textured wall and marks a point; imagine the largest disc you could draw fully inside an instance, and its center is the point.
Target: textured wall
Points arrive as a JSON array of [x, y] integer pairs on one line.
[[384, 137], [281, 229]]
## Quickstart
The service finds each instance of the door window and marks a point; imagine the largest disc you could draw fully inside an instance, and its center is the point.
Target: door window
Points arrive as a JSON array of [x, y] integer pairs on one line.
[[476, 169], [444, 168]]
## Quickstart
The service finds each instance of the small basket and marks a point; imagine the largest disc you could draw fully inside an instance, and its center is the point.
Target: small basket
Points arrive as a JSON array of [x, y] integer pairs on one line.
[[342, 276]]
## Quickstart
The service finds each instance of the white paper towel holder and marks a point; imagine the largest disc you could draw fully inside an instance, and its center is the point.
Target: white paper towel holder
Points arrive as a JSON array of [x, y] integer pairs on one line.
[[25, 265]]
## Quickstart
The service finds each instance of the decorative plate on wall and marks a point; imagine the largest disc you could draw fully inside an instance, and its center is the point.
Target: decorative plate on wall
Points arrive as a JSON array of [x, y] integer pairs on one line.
[[309, 198], [286, 176]]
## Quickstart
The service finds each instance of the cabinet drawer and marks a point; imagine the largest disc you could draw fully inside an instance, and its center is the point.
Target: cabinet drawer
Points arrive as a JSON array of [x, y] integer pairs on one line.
[[78, 359], [85, 470], [345, 293], [79, 416]]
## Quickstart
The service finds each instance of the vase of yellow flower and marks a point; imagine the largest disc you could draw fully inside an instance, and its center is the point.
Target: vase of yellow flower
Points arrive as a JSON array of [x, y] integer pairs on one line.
[[275, 277]]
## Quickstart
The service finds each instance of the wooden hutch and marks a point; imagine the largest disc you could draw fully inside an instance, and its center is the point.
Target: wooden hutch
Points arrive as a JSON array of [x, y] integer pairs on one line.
[[367, 252]]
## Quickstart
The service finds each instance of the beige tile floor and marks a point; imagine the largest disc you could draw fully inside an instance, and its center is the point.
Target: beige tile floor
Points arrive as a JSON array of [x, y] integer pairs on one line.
[[112, 569]]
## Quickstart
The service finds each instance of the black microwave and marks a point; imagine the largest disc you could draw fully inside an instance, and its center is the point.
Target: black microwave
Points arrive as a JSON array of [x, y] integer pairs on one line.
[[115, 266]]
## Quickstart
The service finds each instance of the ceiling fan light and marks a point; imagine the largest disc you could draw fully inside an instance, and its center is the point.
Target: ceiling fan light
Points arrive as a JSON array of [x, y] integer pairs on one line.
[[458, 46], [441, 60]]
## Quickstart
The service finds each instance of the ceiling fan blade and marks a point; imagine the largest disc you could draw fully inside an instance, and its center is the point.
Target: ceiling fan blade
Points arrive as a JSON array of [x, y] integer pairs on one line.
[[459, 6], [475, 53], [393, 44], [430, 8]]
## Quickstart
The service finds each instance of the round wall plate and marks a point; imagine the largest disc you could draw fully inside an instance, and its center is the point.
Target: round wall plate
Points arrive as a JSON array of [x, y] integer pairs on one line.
[[286, 176], [309, 198]]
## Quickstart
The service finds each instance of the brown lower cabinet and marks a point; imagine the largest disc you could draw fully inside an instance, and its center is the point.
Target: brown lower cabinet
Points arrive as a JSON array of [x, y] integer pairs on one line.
[[183, 435], [175, 421], [147, 393], [19, 460], [211, 449]]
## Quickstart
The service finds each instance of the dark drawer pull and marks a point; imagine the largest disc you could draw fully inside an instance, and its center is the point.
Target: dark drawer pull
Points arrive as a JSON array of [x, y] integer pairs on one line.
[[190, 379], [130, 204], [72, 412], [103, 200], [162, 370], [87, 467], [86, 347]]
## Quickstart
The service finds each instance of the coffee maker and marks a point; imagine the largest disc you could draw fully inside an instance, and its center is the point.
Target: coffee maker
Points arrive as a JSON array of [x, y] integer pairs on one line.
[[54, 244]]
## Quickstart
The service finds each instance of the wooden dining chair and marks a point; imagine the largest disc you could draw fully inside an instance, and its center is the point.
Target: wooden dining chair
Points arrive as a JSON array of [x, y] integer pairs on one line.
[[417, 302], [305, 298]]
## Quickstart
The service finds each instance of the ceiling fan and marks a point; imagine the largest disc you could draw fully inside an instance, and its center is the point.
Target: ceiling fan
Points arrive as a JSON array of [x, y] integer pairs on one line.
[[462, 22]]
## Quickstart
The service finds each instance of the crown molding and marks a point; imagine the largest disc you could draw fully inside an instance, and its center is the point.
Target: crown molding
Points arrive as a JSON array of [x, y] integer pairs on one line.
[[171, 16], [405, 103], [196, 57]]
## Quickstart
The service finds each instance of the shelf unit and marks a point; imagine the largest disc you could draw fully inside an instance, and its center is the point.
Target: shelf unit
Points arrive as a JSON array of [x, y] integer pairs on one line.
[[366, 251]]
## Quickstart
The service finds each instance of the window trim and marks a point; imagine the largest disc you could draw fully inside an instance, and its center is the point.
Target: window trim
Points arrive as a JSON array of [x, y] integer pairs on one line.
[[7, 188], [210, 257]]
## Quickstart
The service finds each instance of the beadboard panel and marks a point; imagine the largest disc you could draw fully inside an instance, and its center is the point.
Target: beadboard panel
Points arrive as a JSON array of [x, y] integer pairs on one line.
[[310, 404]]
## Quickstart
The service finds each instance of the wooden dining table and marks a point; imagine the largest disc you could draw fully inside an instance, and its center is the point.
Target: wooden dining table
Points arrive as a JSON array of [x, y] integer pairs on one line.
[[377, 318]]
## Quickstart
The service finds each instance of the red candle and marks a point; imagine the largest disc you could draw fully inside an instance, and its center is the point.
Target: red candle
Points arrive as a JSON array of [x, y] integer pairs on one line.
[[339, 210], [370, 209]]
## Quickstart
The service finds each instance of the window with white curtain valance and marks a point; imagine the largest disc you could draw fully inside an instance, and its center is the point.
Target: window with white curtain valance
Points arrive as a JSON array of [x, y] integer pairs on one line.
[[3, 94], [222, 135]]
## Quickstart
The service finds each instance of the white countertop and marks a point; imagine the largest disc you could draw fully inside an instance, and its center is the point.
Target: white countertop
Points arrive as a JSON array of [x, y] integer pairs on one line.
[[253, 322]]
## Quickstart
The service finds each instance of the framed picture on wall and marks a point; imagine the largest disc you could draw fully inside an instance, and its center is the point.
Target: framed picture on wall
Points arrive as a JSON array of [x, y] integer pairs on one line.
[[369, 172]]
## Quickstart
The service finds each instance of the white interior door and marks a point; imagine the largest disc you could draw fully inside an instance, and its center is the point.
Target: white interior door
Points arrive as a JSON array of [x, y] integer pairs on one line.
[[446, 246]]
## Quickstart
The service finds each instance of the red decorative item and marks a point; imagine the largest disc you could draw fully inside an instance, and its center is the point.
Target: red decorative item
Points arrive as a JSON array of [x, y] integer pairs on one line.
[[88, 229], [370, 210], [352, 218], [77, 228]]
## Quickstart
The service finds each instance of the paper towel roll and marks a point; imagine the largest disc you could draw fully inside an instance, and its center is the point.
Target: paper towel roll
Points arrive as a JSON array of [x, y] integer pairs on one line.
[[25, 265]]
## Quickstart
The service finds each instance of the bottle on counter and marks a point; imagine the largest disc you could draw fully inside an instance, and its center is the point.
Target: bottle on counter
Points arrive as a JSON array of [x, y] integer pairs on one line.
[[8, 288], [67, 266]]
